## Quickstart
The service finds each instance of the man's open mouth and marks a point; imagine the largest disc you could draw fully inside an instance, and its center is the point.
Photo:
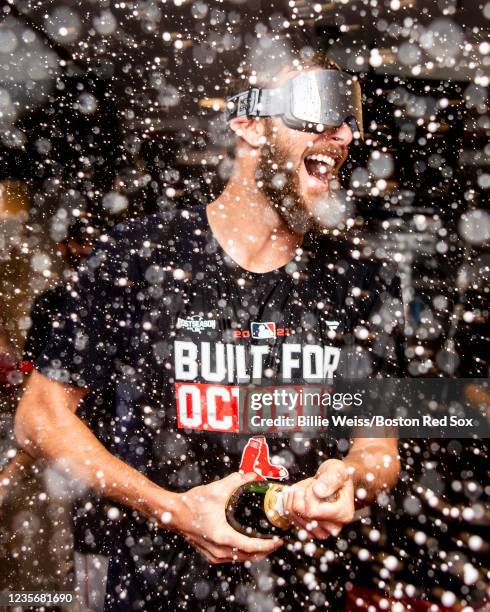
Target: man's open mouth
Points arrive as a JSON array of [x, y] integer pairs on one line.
[[320, 166]]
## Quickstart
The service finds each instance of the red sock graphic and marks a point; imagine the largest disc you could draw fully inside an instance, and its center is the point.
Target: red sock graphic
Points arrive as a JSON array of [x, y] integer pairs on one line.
[[265, 468], [249, 456], [255, 458]]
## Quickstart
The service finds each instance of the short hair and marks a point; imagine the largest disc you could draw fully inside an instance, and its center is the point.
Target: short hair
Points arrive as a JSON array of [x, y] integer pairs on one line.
[[270, 56]]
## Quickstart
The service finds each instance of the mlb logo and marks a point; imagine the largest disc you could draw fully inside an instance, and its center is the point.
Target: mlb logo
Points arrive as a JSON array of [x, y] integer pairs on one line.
[[263, 331]]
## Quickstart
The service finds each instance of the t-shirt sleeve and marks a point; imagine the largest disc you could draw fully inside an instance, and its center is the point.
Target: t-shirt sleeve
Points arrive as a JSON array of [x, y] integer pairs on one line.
[[44, 311], [88, 342]]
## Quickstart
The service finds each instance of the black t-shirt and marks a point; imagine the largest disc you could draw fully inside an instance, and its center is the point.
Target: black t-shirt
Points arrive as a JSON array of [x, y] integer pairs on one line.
[[45, 309], [163, 317]]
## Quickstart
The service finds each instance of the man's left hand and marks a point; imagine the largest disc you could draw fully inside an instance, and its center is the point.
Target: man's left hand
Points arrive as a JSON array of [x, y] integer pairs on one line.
[[323, 504]]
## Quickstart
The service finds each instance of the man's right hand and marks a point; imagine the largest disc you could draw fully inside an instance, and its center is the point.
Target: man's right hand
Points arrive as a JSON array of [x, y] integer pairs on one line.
[[201, 519], [46, 426]]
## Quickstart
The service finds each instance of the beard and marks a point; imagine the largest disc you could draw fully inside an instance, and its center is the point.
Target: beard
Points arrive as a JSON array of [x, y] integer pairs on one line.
[[281, 187]]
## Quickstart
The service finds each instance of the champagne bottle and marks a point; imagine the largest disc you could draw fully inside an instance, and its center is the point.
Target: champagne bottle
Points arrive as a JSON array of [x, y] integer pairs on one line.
[[256, 509]]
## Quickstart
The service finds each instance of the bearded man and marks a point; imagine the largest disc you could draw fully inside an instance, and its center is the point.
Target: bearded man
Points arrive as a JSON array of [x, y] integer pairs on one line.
[[175, 313]]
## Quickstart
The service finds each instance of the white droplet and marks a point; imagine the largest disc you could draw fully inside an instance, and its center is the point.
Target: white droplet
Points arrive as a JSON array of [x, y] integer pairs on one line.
[[40, 262], [448, 599], [115, 202], [443, 39], [105, 23], [381, 164], [87, 103], [474, 226], [8, 41], [166, 517], [64, 25], [391, 563], [475, 542], [113, 513]]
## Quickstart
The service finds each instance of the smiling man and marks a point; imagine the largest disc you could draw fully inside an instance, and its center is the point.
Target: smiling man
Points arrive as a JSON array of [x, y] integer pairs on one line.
[[175, 312]]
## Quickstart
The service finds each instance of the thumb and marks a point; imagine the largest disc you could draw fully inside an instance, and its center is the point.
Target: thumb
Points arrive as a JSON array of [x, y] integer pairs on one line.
[[328, 482], [236, 479], [249, 477]]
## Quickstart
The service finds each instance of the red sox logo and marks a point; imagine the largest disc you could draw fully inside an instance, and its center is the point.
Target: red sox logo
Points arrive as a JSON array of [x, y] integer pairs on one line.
[[255, 458]]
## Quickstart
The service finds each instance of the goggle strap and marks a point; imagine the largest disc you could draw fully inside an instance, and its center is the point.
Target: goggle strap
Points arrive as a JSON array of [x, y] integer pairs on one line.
[[254, 103], [245, 104]]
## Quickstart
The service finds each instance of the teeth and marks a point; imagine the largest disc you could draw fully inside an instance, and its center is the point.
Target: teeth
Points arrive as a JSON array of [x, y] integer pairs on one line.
[[325, 159]]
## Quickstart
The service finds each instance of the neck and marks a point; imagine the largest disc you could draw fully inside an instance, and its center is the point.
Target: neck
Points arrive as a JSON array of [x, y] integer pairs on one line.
[[249, 229]]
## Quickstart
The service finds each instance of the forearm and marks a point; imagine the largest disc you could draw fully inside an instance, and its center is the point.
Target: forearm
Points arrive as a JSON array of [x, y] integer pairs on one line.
[[374, 466], [65, 441]]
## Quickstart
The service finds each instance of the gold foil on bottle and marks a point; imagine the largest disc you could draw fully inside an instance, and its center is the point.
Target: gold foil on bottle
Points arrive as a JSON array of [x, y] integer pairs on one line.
[[270, 507]]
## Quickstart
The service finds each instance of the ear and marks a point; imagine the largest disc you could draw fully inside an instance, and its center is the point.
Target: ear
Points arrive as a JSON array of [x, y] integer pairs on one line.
[[252, 130]]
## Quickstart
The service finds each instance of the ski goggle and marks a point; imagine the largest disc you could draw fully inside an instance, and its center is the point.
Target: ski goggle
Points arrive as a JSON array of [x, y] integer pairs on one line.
[[325, 98]]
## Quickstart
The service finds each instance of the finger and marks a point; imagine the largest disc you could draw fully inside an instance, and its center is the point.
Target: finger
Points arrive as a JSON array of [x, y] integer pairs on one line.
[[312, 530], [328, 511], [317, 531], [311, 499], [298, 502], [210, 558], [226, 554], [288, 500], [320, 534], [328, 483], [227, 536], [300, 521], [241, 557], [323, 489], [300, 515], [325, 508], [257, 557], [253, 545], [331, 527], [219, 554], [236, 479], [206, 554]]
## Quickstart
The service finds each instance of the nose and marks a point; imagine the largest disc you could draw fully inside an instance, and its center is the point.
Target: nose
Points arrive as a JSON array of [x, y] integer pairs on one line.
[[342, 134]]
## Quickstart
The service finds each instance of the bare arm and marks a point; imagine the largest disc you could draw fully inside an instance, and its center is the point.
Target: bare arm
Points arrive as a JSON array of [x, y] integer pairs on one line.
[[375, 466], [371, 466], [46, 426]]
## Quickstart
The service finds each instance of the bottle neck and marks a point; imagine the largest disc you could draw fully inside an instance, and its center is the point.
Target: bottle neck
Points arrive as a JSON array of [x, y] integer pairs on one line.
[[274, 506]]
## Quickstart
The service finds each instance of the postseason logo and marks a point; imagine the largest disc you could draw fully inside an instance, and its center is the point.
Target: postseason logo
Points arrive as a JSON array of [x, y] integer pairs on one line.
[[196, 323], [263, 331]]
